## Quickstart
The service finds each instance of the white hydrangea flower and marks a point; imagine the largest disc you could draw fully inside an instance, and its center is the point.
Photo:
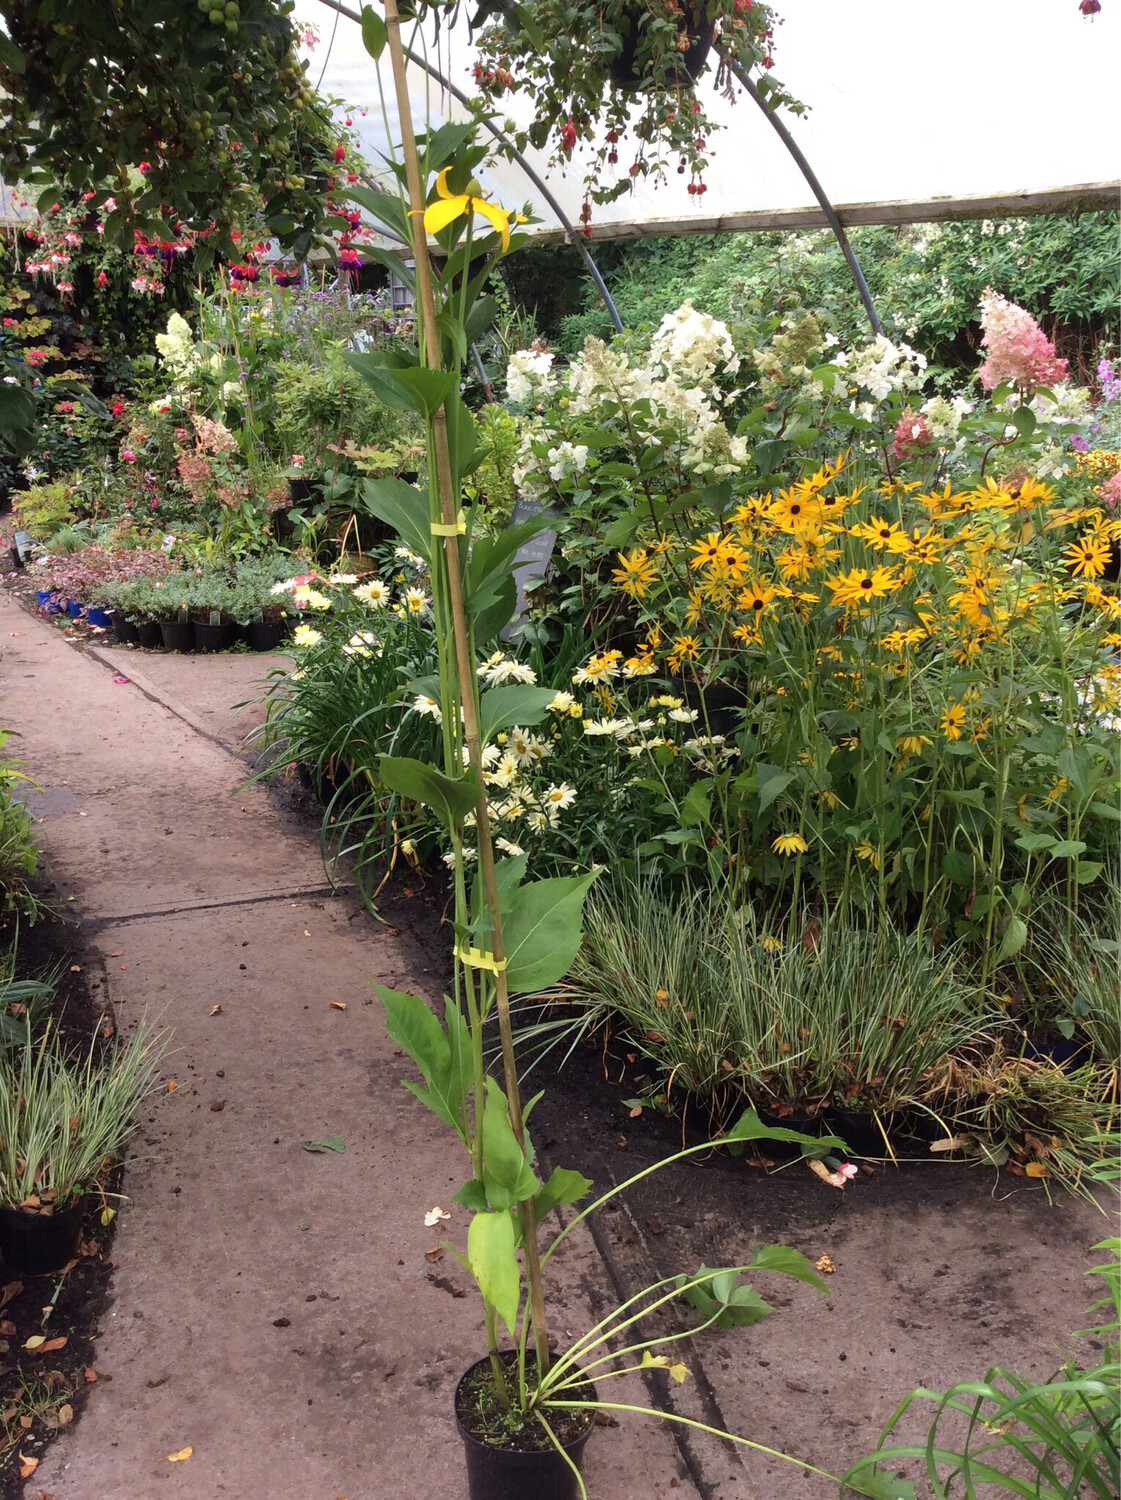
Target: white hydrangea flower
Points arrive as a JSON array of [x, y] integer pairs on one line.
[[694, 344], [529, 373], [566, 459]]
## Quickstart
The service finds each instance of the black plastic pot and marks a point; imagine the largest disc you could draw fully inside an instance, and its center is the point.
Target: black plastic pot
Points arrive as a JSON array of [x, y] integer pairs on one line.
[[265, 635], [509, 1474], [623, 69], [214, 637], [124, 631], [149, 635], [177, 635], [859, 1131], [38, 1244]]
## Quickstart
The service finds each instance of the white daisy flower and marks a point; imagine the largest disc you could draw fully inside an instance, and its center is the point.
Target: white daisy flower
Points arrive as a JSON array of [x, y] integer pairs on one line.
[[373, 592]]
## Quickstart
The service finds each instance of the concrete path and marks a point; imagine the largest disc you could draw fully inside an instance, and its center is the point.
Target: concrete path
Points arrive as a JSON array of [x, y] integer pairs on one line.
[[273, 1308]]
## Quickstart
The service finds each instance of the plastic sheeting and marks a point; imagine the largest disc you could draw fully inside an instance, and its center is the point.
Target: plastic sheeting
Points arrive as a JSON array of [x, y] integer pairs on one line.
[[918, 111]]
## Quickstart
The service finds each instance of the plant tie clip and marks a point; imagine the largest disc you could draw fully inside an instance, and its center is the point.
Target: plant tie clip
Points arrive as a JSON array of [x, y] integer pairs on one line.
[[478, 959], [443, 528]]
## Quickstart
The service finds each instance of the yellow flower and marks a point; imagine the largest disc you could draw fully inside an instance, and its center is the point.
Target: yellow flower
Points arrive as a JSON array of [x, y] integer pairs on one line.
[[451, 206], [952, 721], [790, 843], [754, 598], [1089, 556], [1058, 787], [683, 648], [912, 744], [709, 550], [860, 587], [868, 851], [878, 531], [635, 573], [642, 665]]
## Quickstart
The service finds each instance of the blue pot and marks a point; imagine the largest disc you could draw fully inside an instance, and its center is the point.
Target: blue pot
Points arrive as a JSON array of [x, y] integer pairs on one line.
[[75, 609], [48, 604], [100, 617]]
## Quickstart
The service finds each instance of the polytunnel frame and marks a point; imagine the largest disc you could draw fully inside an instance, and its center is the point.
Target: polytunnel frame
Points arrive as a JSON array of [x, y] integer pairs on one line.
[[576, 237]]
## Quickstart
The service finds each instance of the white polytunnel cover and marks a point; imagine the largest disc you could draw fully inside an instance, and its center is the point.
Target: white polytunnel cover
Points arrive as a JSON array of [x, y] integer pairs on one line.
[[917, 111]]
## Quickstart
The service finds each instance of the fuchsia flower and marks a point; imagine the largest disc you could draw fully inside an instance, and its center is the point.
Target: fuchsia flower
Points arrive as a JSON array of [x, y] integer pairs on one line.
[[128, 455], [1090, 7], [1020, 353]]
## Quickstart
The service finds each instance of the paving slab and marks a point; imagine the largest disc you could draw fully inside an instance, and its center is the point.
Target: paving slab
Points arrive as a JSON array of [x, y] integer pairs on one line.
[[273, 1307]]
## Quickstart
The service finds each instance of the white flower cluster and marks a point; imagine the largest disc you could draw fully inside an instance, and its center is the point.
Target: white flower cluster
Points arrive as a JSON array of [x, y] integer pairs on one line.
[[566, 459], [944, 415], [693, 345], [177, 348], [882, 367], [529, 374]]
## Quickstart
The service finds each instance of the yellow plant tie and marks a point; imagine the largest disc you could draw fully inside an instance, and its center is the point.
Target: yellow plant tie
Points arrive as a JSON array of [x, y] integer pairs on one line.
[[478, 959], [457, 528]]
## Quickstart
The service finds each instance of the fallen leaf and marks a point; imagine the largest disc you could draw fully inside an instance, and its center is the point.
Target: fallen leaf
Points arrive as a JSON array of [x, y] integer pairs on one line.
[[338, 1004], [12, 1289], [328, 1143], [75, 968], [435, 1254], [306, 933], [825, 1263], [7, 1328], [1035, 1169], [118, 953], [27, 1466], [171, 1085], [65, 1414], [635, 1112], [40, 1345], [180, 1457], [433, 1217], [215, 1010], [951, 1143], [91, 1375]]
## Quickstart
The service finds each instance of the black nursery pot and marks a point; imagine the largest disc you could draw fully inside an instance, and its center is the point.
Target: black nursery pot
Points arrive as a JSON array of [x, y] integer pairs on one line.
[[177, 635], [859, 1131], [511, 1474], [214, 637], [265, 635], [149, 635], [38, 1244], [124, 631]]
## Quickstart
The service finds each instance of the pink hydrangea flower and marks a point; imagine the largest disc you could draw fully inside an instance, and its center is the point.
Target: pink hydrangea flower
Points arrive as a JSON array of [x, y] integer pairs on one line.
[[1020, 353], [1110, 493], [912, 435]]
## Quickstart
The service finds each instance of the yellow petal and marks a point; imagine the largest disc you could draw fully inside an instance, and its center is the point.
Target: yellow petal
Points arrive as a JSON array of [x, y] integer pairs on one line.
[[678, 1372], [497, 216], [442, 189], [180, 1457], [438, 216]]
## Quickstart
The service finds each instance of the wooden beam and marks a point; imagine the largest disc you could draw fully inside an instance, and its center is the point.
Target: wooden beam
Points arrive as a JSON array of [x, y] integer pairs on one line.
[[1078, 199]]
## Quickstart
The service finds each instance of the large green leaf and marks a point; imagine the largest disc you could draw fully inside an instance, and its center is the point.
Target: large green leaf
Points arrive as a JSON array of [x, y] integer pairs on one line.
[[450, 800], [518, 703], [492, 1257], [405, 388], [402, 506], [770, 781], [443, 1056], [564, 1186], [507, 1176], [374, 34], [542, 933], [749, 1127], [387, 209], [495, 611], [788, 1262]]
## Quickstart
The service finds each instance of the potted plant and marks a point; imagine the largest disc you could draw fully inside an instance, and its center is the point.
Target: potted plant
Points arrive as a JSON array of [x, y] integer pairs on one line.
[[63, 1122], [177, 629], [591, 68], [212, 612], [261, 606], [520, 1408]]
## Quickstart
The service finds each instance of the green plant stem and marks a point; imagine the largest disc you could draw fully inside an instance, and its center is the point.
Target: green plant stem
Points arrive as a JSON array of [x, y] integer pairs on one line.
[[468, 683]]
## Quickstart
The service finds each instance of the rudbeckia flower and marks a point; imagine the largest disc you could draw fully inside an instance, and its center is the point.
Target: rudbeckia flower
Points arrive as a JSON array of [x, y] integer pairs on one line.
[[450, 206]]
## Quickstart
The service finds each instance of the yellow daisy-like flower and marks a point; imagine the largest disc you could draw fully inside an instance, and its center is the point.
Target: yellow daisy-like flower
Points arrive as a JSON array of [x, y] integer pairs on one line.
[[912, 744], [952, 721], [450, 206], [709, 550], [790, 843], [877, 531], [1088, 557], [1058, 787], [868, 851], [635, 573], [754, 598], [859, 586], [682, 649]]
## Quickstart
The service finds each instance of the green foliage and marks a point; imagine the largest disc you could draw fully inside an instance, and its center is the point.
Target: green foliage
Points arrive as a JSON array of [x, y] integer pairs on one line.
[[925, 279], [18, 856], [325, 406], [46, 509], [88, 92], [491, 487]]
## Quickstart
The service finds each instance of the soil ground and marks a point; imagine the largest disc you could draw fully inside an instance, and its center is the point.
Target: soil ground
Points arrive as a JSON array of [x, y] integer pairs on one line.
[[272, 1307]]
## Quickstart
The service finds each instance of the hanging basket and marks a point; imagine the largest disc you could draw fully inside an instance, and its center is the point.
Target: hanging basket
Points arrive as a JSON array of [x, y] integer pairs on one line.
[[624, 67]]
